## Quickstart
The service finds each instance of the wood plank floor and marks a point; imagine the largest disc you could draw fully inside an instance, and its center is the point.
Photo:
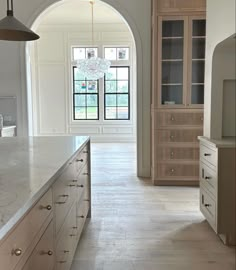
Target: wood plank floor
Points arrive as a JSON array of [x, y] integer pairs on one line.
[[136, 226]]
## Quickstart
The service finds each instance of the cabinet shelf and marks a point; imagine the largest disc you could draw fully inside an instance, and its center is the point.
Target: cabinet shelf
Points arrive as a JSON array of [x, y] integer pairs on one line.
[[200, 59], [172, 84], [200, 37], [172, 37], [197, 83], [172, 60]]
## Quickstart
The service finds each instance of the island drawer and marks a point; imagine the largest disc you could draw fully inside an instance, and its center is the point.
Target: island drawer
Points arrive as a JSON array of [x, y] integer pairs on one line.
[[18, 243], [43, 256], [82, 158], [208, 154]]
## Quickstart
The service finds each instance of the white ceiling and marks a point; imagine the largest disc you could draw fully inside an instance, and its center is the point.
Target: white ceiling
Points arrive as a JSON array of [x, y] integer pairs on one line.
[[79, 12]]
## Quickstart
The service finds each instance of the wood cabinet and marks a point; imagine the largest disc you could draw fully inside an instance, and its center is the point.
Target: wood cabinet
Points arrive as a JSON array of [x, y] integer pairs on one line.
[[47, 236], [218, 186], [177, 90]]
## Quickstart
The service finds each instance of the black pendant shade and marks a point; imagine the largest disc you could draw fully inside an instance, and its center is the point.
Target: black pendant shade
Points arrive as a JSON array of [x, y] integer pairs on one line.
[[14, 30]]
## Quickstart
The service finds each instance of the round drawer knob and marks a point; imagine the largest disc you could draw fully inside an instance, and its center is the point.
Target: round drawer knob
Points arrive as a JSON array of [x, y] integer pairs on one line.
[[49, 207], [18, 252], [172, 170], [50, 253], [172, 137], [172, 118], [172, 154]]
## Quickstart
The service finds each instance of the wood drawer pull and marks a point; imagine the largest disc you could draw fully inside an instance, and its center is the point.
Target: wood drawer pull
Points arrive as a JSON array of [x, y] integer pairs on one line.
[[207, 155], [63, 196], [48, 207], [79, 160], [17, 252]]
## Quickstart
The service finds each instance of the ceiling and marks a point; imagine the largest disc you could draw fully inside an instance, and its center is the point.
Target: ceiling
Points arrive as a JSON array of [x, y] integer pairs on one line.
[[79, 12]]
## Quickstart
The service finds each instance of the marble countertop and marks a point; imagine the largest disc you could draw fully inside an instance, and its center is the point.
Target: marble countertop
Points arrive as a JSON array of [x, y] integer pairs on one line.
[[28, 167], [225, 142]]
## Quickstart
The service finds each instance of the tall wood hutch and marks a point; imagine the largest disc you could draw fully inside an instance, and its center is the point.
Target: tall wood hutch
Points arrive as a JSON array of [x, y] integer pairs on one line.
[[178, 48]]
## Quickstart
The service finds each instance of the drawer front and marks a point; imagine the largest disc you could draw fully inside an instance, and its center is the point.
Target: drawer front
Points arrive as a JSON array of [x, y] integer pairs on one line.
[[64, 193], [82, 158], [177, 153], [180, 136], [177, 170], [67, 241], [18, 242], [83, 179], [208, 179], [208, 208], [208, 154], [165, 119], [82, 212], [43, 256]]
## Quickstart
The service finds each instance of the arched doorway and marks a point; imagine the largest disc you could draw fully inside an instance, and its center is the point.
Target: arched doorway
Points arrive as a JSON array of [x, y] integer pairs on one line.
[[143, 79]]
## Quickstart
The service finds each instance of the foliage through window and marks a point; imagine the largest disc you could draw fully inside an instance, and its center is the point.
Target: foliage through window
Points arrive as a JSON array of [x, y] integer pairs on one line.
[[85, 97], [117, 93]]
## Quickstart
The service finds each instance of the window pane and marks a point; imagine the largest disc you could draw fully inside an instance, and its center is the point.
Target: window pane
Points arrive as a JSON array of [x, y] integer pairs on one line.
[[111, 74], [92, 112], [111, 87], [78, 53], [110, 113], [110, 100], [80, 87], [92, 86], [123, 73], [80, 100], [123, 86], [80, 113], [110, 53], [123, 113], [77, 75], [92, 100], [91, 52], [123, 53], [122, 100]]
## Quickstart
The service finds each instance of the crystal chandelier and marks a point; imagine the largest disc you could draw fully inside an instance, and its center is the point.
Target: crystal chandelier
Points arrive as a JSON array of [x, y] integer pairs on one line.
[[93, 68]]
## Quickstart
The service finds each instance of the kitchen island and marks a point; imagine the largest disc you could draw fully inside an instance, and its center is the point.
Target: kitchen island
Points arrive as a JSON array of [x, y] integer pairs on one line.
[[44, 191]]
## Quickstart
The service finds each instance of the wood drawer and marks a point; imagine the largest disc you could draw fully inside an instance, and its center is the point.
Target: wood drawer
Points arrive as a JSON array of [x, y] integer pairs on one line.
[[67, 241], [208, 178], [179, 136], [177, 153], [43, 256], [64, 193], [82, 158], [177, 170], [209, 155], [18, 242], [173, 118], [208, 208]]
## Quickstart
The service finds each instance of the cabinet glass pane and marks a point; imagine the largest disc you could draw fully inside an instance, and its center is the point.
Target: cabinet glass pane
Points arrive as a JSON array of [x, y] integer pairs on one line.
[[198, 69], [173, 28], [199, 28], [198, 48], [172, 72], [172, 94], [172, 48], [197, 94]]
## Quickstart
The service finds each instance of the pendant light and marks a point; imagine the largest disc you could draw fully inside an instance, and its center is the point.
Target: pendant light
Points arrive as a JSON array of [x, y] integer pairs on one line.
[[93, 68], [14, 30]]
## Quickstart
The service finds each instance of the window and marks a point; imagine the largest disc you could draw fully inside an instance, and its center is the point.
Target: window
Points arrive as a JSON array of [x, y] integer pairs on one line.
[[85, 97], [117, 93], [117, 54]]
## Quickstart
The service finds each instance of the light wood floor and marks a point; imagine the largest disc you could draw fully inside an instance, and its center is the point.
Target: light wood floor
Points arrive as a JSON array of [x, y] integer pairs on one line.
[[136, 226]]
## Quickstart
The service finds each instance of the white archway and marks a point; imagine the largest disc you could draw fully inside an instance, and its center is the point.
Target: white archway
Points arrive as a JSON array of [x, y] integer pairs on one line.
[[143, 98]]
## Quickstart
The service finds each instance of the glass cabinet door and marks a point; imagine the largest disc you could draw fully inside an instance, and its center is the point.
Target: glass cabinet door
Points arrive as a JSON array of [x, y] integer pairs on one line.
[[198, 37], [172, 62]]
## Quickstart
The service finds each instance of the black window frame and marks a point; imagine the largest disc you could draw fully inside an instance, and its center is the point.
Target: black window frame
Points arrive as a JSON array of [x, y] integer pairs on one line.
[[86, 93], [117, 93]]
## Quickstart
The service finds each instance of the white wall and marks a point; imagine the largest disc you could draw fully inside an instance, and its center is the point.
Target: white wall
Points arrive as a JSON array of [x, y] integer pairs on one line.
[[13, 76], [220, 26], [52, 81]]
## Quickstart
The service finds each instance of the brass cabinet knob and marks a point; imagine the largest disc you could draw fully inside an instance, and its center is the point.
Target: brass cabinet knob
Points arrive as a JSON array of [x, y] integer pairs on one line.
[[172, 118], [17, 252], [172, 137], [172, 171], [50, 253], [49, 207]]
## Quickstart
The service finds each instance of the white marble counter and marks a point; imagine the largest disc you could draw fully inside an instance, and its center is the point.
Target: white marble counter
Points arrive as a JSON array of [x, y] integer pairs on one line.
[[28, 167], [225, 142]]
